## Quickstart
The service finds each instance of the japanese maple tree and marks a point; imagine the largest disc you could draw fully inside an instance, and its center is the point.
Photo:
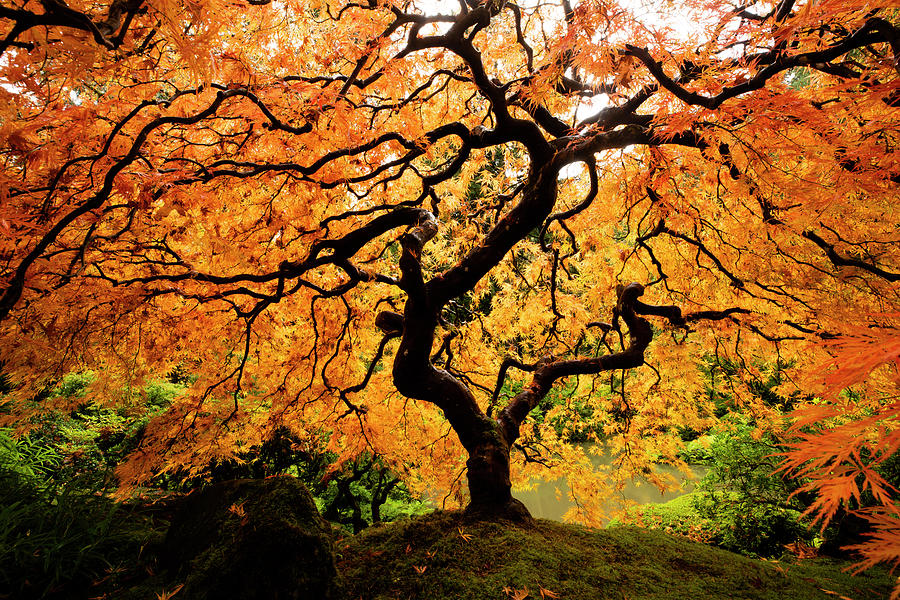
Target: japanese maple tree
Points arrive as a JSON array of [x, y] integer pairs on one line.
[[394, 221]]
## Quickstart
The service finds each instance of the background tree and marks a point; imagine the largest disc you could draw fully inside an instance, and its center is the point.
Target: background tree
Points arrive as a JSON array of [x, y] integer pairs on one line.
[[292, 196]]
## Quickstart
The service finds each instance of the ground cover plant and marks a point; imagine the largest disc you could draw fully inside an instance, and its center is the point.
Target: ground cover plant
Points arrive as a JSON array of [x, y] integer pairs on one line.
[[443, 556]]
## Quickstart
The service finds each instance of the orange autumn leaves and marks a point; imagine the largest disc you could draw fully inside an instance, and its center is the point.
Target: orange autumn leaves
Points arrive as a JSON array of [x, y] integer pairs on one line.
[[155, 198]]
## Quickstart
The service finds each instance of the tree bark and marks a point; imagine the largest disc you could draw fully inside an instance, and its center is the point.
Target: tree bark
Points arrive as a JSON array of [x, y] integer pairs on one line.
[[489, 483]]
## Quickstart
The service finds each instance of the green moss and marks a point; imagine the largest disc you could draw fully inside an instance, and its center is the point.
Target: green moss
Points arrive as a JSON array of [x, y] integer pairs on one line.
[[252, 539], [441, 556]]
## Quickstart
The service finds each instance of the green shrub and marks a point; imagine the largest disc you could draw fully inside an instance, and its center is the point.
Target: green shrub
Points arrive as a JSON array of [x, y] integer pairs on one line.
[[50, 540], [159, 394], [92, 439], [55, 537], [697, 451], [74, 385], [750, 507], [26, 457], [741, 504]]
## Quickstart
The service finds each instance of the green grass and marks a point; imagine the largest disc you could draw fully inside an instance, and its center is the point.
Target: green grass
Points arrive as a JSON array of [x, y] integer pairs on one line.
[[433, 556]]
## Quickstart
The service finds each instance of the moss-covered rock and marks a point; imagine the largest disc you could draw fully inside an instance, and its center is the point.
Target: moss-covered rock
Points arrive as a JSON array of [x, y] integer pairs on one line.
[[252, 539]]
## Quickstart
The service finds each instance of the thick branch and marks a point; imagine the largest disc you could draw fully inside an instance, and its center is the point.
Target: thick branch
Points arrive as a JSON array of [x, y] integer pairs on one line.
[[109, 33], [640, 334], [843, 261], [413, 374], [549, 370], [874, 31]]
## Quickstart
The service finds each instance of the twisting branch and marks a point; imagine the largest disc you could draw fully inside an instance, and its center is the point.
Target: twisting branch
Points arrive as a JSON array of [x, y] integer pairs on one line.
[[875, 30], [108, 33], [413, 373], [16, 284], [640, 334], [578, 208], [549, 369], [843, 261], [508, 363]]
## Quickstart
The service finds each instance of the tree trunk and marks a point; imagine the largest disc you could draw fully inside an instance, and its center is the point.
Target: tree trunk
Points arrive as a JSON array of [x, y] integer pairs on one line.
[[415, 376], [489, 484]]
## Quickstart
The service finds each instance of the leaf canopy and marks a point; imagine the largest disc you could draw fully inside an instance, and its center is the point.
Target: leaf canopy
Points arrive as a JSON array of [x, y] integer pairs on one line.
[[260, 191]]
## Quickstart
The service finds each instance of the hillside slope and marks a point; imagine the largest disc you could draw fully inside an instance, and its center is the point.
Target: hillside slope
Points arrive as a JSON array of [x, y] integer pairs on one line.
[[442, 556]]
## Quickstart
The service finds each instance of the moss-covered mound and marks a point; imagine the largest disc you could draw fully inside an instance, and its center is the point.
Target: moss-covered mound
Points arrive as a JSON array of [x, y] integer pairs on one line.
[[442, 556], [252, 539]]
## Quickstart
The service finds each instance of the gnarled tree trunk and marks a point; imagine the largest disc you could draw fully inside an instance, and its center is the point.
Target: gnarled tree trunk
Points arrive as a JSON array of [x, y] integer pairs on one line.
[[487, 440], [489, 482]]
